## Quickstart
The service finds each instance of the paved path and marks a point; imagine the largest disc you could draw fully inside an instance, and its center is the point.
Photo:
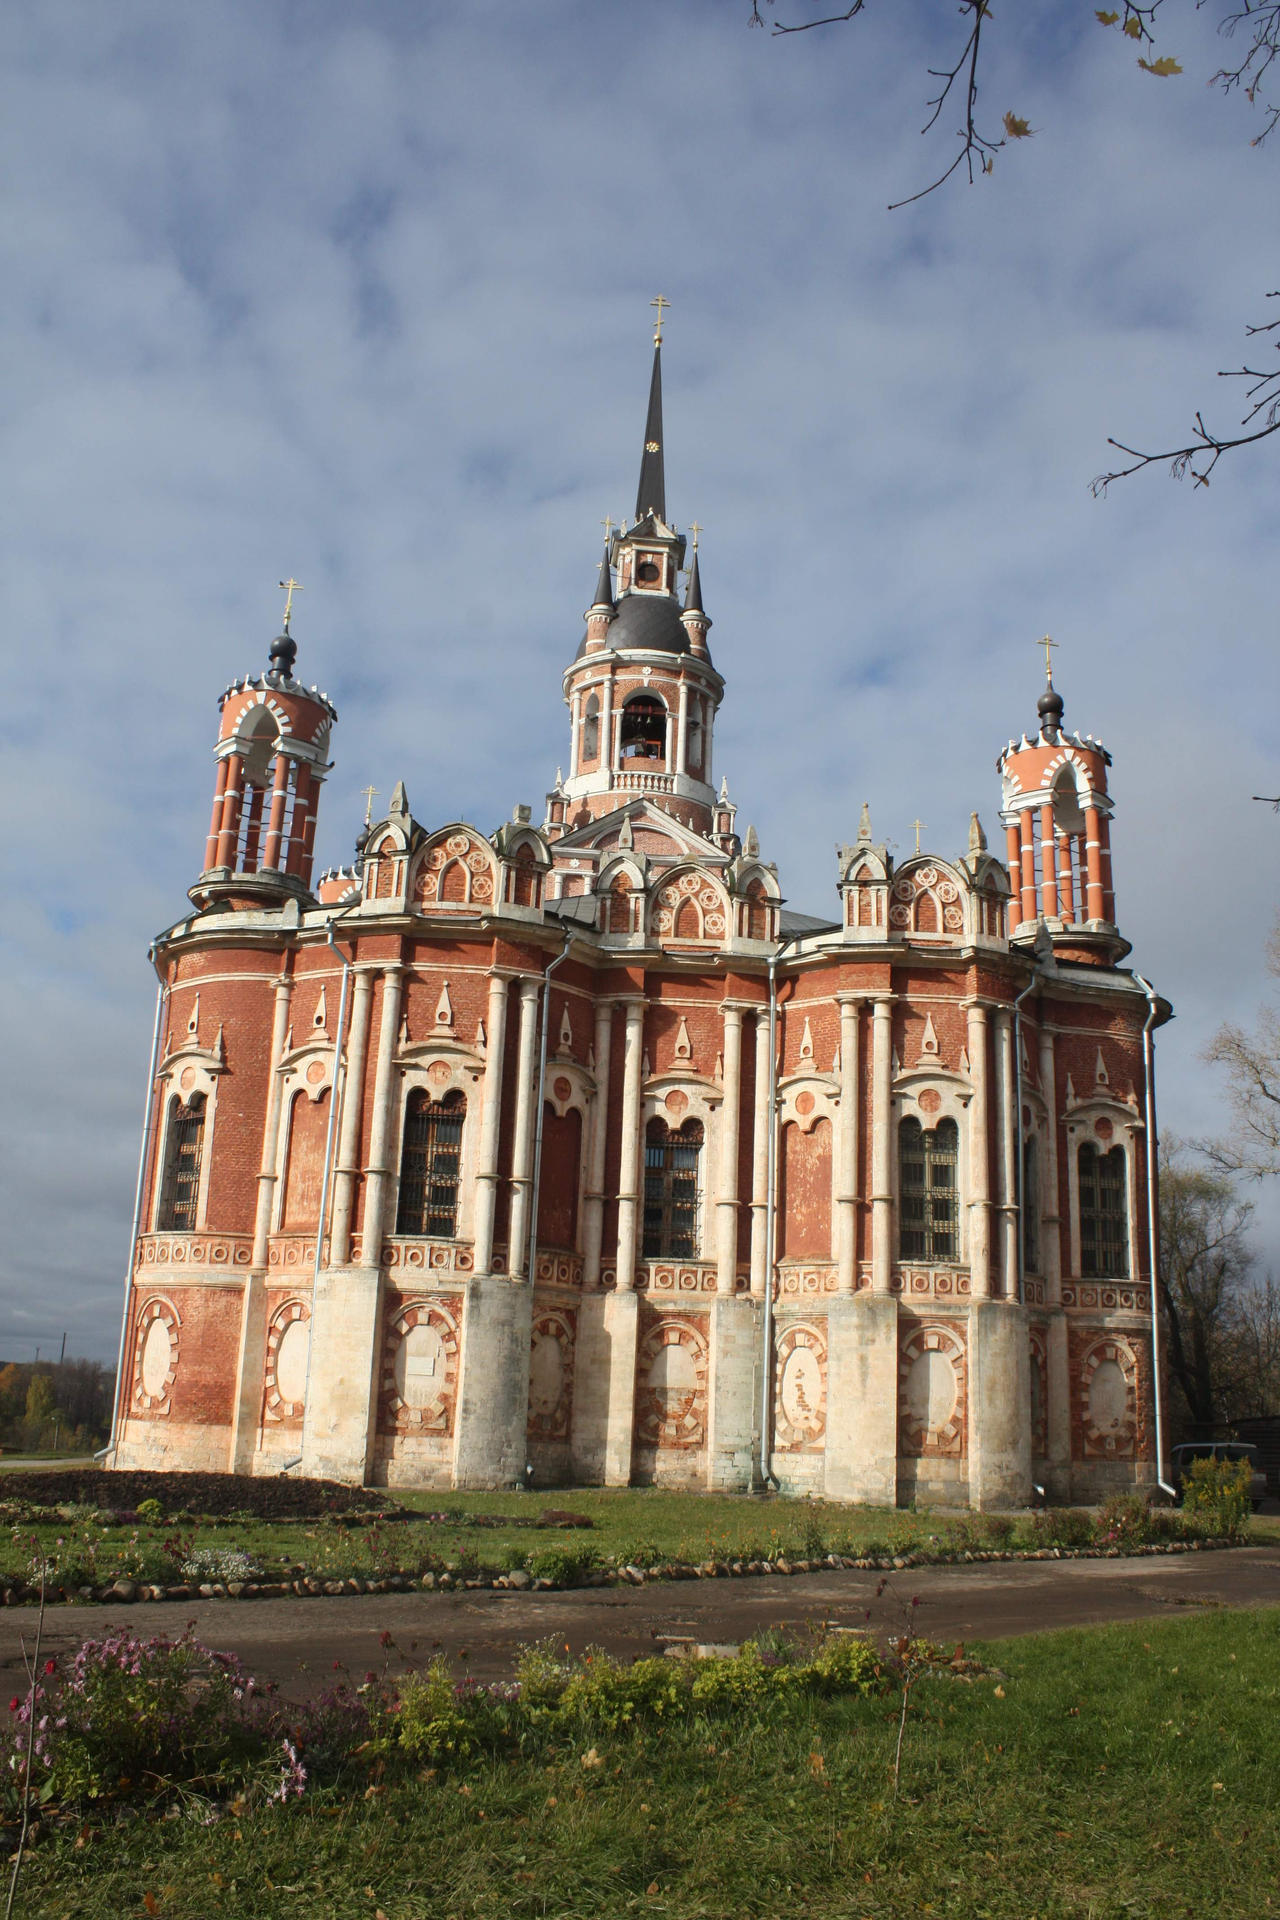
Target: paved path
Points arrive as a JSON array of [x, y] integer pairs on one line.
[[296, 1642]]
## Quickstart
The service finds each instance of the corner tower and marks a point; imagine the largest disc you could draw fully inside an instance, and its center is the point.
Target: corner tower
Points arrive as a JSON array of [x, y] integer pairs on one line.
[[272, 757], [642, 691], [1057, 816]]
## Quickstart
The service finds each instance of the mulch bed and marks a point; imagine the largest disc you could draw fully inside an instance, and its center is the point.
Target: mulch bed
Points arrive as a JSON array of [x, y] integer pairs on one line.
[[274, 1498]]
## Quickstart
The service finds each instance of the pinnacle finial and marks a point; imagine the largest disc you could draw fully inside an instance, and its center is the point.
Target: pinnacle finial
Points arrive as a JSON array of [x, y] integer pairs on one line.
[[1049, 706], [864, 822], [291, 587], [977, 838], [660, 303]]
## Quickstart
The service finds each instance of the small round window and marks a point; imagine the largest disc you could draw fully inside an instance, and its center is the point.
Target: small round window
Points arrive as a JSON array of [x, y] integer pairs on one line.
[[648, 572]]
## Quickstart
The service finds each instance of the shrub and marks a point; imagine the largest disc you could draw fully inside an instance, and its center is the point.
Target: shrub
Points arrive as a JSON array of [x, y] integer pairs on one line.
[[565, 1565], [719, 1686], [842, 1664], [1216, 1496], [151, 1512], [1124, 1522], [541, 1674], [1062, 1527], [208, 1564], [607, 1695], [432, 1723], [129, 1716]]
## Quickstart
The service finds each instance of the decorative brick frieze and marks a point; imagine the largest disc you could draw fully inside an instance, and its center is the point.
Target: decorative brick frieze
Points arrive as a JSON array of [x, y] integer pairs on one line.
[[196, 1250]]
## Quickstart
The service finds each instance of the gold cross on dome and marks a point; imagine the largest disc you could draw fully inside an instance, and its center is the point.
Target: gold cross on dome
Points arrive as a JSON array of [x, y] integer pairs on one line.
[[1046, 643], [695, 530], [290, 588], [370, 795], [659, 303], [919, 826]]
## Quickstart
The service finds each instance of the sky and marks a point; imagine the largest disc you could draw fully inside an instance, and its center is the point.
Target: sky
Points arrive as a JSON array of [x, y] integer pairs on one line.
[[359, 293]]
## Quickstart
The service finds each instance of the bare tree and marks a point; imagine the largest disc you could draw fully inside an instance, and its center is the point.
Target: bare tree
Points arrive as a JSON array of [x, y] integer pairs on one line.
[[1205, 1263], [1252, 1063], [1253, 28]]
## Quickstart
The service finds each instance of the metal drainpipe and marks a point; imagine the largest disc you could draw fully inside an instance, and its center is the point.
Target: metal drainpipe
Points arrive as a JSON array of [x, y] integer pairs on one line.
[[1153, 1223], [767, 1475], [559, 960], [1030, 987], [162, 995], [336, 1092]]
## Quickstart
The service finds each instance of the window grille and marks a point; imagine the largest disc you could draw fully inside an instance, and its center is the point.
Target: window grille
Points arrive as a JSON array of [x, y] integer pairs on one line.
[[430, 1165], [1104, 1227], [671, 1190], [184, 1149], [1030, 1206], [929, 1209]]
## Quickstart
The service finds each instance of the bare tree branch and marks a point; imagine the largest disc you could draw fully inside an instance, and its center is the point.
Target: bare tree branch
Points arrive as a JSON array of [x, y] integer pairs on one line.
[[1208, 448]]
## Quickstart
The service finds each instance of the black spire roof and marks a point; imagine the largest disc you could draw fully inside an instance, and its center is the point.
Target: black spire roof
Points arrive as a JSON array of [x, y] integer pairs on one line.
[[604, 583], [651, 494], [693, 588]]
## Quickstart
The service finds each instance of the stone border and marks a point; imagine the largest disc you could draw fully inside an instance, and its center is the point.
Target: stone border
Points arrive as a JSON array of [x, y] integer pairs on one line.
[[452, 1580]]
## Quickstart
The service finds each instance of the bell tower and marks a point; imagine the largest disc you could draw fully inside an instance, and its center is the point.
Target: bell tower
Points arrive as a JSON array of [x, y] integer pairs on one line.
[[272, 757], [1057, 816], [642, 692]]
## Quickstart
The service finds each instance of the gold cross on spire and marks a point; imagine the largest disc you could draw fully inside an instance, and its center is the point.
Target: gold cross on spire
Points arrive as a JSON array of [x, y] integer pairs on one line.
[[370, 795], [695, 530], [1046, 643], [607, 524], [919, 826], [290, 588], [659, 303]]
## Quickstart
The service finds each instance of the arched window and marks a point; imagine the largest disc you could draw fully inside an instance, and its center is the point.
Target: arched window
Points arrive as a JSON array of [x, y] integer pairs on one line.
[[184, 1148], [929, 1205], [671, 1190], [1030, 1206], [1104, 1227], [643, 733], [430, 1165], [591, 729]]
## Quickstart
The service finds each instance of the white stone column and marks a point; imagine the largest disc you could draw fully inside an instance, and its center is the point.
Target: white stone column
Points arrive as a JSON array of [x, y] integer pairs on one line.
[[1006, 1149], [1050, 1234], [522, 1144], [605, 758], [271, 1131], [593, 1210], [846, 1235], [490, 1123], [760, 1159], [979, 1197], [882, 1144], [378, 1172], [727, 1194], [344, 1184], [682, 729], [629, 1166]]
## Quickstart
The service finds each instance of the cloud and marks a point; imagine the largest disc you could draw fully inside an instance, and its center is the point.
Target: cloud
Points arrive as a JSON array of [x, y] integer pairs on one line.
[[362, 297]]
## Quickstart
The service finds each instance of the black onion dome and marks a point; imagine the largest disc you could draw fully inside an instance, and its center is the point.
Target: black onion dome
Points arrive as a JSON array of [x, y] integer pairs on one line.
[[283, 653], [1050, 707]]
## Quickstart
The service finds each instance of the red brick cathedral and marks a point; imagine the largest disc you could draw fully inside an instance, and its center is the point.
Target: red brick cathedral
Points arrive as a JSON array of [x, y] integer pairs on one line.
[[571, 1146]]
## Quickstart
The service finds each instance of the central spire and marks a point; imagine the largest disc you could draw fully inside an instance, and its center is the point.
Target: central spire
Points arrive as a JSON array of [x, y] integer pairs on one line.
[[651, 494]]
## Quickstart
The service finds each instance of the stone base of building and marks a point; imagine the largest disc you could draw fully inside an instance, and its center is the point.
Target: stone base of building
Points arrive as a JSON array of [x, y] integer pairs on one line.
[[467, 1383]]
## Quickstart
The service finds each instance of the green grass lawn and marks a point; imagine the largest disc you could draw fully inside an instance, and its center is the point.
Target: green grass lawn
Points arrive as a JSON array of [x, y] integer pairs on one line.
[[647, 1525], [1121, 1771]]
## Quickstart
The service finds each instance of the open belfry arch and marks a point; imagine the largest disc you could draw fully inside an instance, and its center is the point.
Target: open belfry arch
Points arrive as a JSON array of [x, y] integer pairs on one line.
[[573, 1144]]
